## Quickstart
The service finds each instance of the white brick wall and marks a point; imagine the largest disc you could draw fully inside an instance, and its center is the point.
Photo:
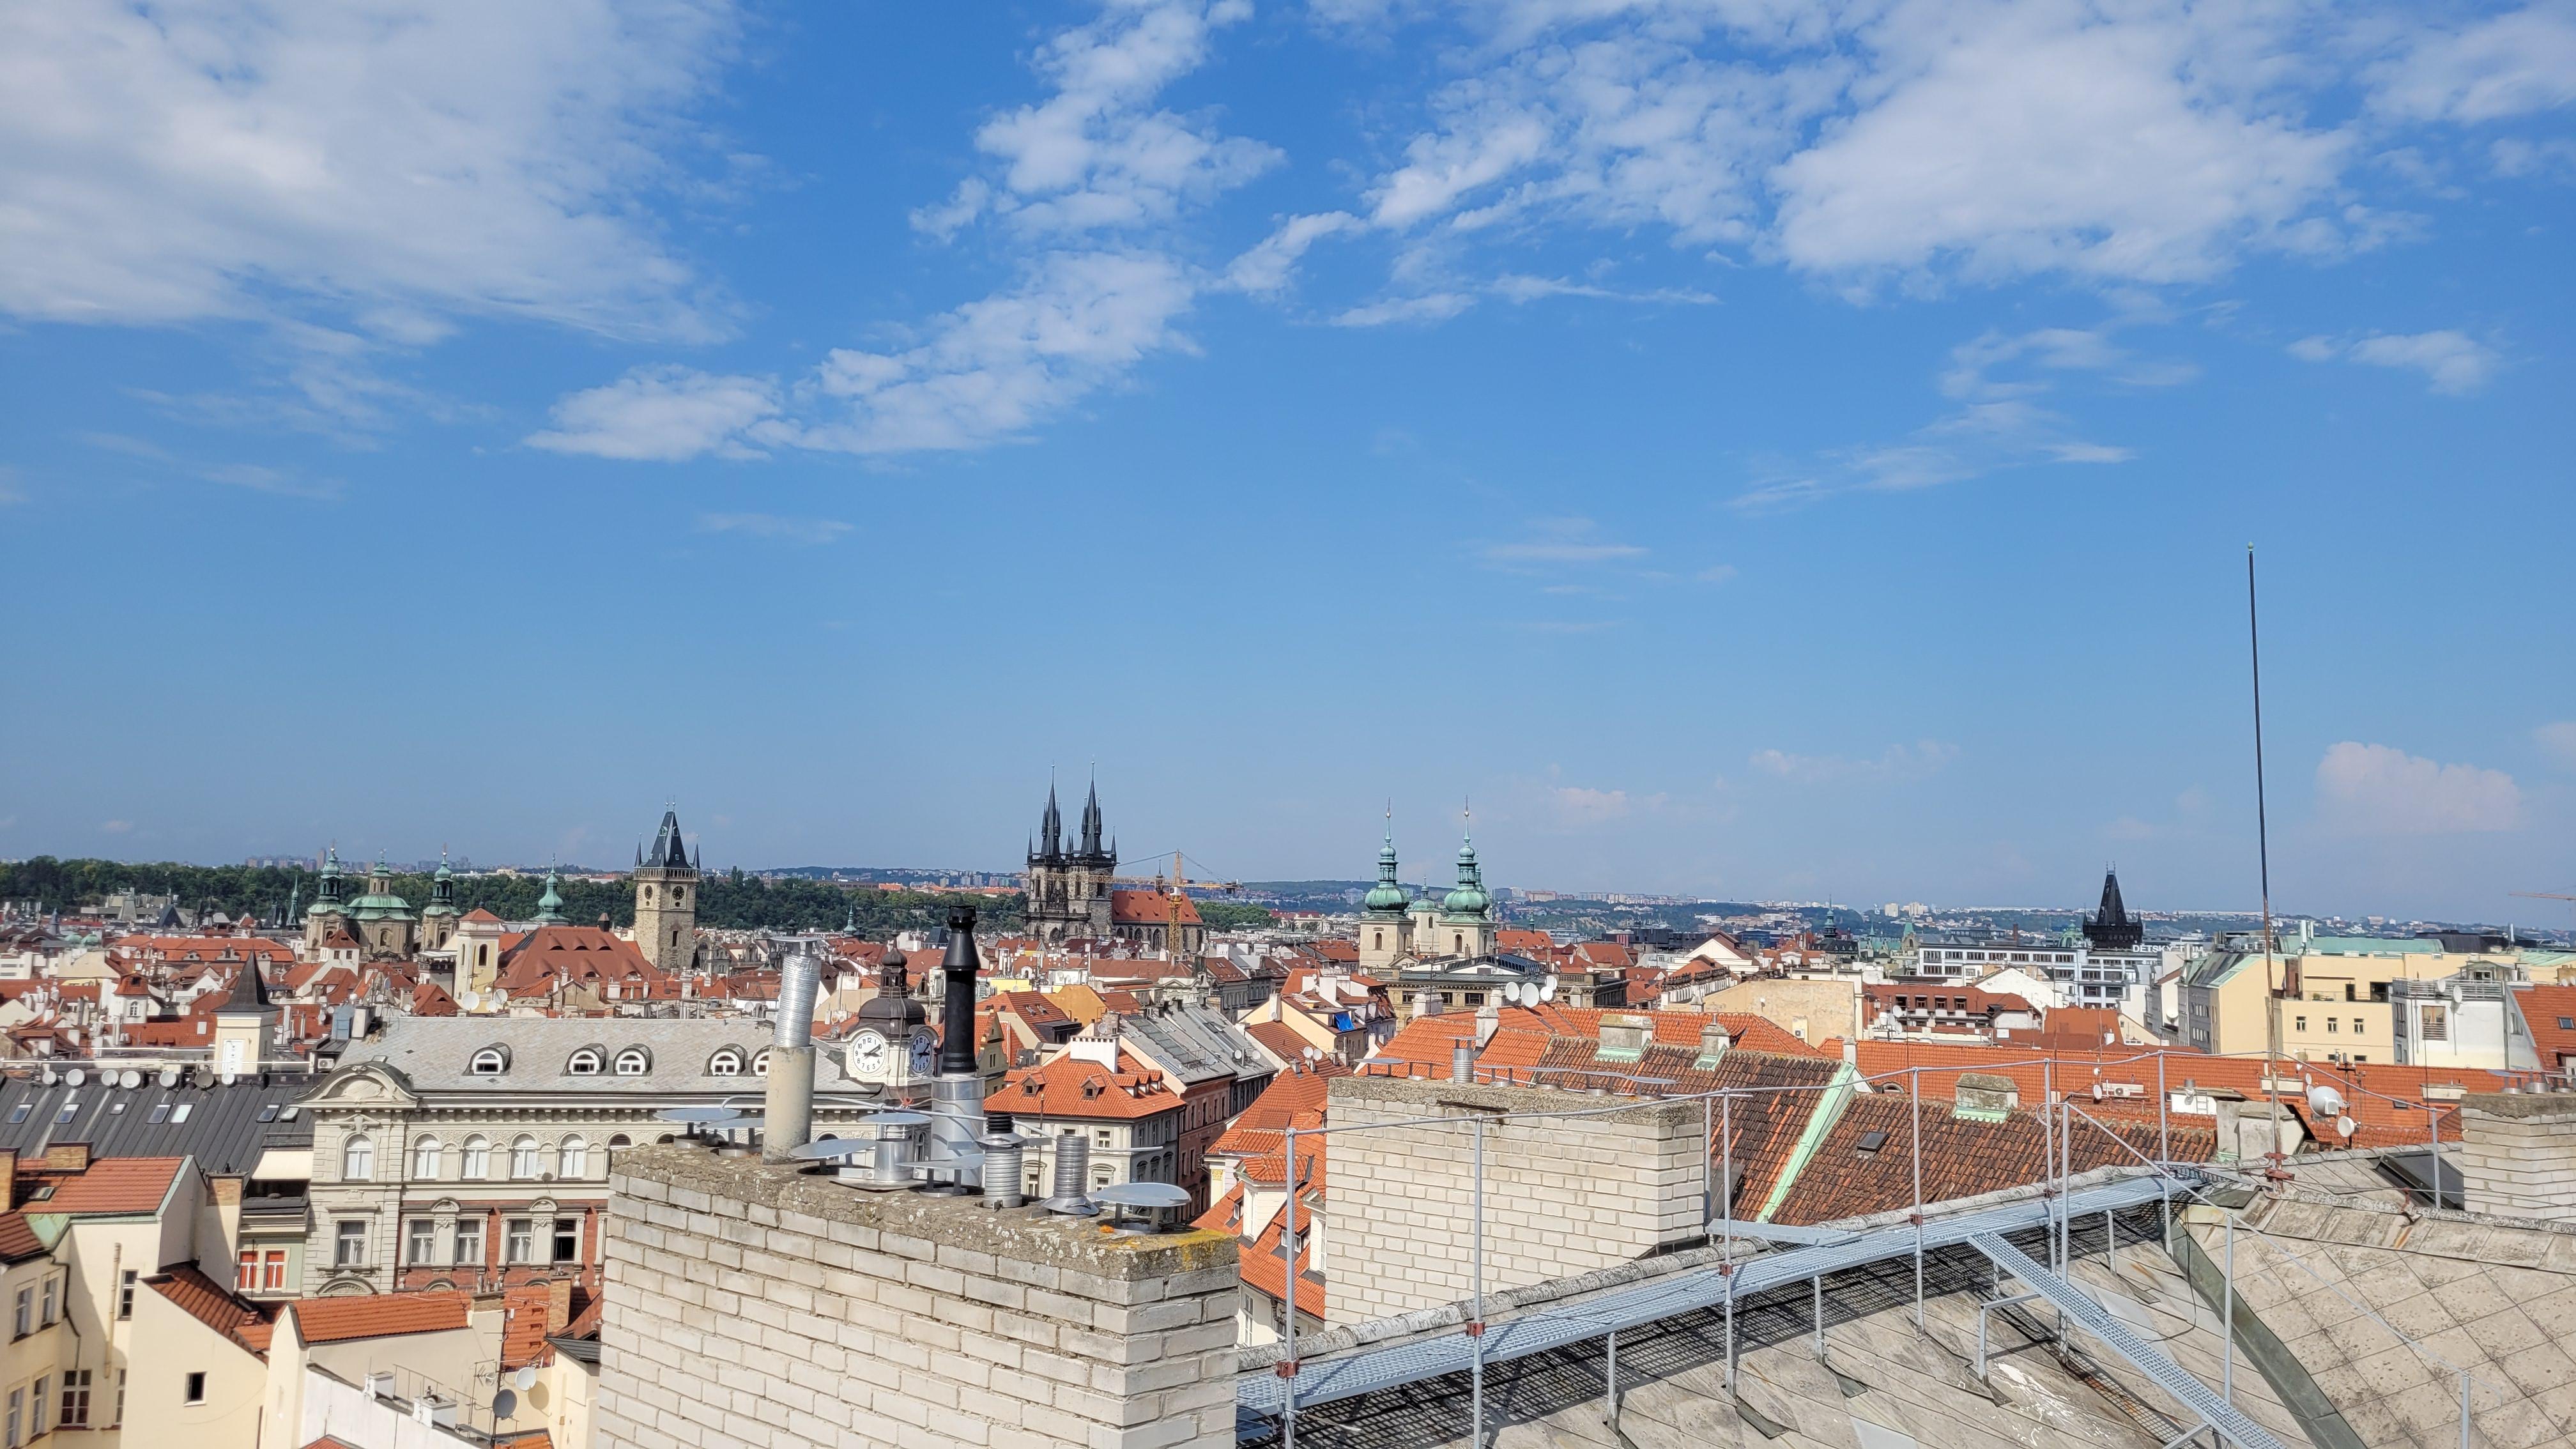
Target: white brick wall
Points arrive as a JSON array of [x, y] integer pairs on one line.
[[750, 1307], [2519, 1156], [1561, 1197]]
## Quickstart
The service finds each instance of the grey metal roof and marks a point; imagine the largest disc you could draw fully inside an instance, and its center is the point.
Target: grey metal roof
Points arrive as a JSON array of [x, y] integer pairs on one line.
[[1194, 1042], [224, 1128], [434, 1053]]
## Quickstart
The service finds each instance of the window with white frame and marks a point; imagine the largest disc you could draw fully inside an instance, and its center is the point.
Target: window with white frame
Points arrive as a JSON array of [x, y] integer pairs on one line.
[[634, 1062], [727, 1062], [420, 1242], [489, 1062], [75, 1413], [523, 1157], [476, 1162], [424, 1158], [349, 1244], [518, 1240], [586, 1063], [358, 1159], [572, 1158]]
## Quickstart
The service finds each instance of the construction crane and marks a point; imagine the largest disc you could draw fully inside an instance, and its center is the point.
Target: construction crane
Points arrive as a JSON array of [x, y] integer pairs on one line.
[[1179, 883], [2547, 896]]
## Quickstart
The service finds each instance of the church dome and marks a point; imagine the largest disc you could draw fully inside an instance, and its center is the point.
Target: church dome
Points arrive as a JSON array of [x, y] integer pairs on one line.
[[1466, 900], [1384, 897]]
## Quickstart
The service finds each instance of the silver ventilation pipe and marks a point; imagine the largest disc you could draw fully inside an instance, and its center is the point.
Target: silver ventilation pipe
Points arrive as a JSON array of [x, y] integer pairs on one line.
[[1004, 1161], [787, 1118], [1462, 1060], [1072, 1166]]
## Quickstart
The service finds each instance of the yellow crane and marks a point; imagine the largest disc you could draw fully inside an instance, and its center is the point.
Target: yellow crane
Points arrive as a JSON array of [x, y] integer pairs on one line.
[[1179, 883]]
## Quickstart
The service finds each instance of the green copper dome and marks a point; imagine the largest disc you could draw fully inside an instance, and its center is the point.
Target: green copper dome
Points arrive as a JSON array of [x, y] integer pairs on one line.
[[550, 906], [1386, 897], [1468, 901]]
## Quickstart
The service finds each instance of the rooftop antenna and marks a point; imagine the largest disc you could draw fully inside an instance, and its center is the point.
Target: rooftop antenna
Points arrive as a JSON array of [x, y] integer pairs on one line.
[[2263, 857]]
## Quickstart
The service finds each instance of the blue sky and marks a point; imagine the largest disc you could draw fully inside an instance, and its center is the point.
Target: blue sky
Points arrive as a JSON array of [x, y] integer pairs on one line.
[[1743, 447]]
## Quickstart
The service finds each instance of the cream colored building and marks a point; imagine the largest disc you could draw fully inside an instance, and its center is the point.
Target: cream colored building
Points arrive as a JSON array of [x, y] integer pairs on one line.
[[2339, 1009]]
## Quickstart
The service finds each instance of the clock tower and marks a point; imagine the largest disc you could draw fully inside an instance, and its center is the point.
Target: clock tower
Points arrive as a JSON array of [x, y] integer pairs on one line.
[[893, 1049]]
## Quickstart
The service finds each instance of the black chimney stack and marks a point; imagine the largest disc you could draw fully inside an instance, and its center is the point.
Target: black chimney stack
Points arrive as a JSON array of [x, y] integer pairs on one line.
[[957, 1013]]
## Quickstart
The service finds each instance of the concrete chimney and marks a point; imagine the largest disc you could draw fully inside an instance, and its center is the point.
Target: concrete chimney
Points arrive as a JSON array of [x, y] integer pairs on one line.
[[1489, 1019], [2517, 1154], [1714, 1039]]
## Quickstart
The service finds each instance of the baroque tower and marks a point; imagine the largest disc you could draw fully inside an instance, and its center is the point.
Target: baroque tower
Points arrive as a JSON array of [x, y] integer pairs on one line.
[[1386, 931], [666, 899]]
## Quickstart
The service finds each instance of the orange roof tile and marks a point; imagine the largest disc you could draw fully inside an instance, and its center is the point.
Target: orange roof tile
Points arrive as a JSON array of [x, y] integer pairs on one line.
[[1069, 1087], [1152, 908], [2551, 1013], [381, 1315], [211, 1304], [115, 1185]]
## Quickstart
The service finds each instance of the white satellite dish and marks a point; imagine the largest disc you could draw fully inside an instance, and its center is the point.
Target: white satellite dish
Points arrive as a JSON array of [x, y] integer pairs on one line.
[[134, 1079], [48, 1074], [75, 1076], [525, 1378], [169, 1076], [231, 1077], [1548, 991]]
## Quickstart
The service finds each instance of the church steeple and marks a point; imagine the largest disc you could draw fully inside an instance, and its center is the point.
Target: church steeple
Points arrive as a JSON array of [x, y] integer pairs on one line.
[[669, 851], [550, 906], [1091, 822], [1386, 898]]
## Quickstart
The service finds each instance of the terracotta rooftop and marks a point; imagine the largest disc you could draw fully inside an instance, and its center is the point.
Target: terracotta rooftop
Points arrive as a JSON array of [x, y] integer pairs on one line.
[[381, 1315], [1070, 1087], [112, 1186], [213, 1305]]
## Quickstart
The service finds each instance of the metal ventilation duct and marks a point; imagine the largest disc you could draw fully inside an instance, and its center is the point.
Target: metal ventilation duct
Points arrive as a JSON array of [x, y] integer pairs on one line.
[[1072, 1169]]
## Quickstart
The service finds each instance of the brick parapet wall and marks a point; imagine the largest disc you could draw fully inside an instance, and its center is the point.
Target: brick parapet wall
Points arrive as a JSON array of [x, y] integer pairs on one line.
[[1562, 1197], [2517, 1157], [754, 1307]]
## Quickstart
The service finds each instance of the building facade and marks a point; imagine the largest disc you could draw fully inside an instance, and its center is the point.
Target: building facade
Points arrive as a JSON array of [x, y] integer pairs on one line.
[[473, 1152]]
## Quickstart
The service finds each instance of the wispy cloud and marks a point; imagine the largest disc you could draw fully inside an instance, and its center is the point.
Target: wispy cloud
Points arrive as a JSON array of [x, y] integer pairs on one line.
[[1971, 442], [259, 478], [1716, 574], [2558, 741], [1896, 762], [774, 526], [1559, 542], [2455, 363], [1430, 307]]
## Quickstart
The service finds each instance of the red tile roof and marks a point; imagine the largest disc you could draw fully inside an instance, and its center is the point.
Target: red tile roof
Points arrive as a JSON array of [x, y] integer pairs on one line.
[[1069, 1087], [18, 1240], [213, 1305], [1961, 1158], [1152, 908], [381, 1315], [115, 1186], [2551, 1013]]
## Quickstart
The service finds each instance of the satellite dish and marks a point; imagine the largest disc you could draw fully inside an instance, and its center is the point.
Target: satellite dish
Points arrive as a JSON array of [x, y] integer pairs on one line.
[[133, 1079], [504, 1404], [2347, 1125], [231, 1076], [75, 1076], [49, 1074], [169, 1076], [525, 1378], [1548, 991]]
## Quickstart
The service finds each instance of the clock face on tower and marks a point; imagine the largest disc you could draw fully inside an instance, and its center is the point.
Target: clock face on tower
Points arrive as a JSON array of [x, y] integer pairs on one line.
[[925, 1053], [868, 1055]]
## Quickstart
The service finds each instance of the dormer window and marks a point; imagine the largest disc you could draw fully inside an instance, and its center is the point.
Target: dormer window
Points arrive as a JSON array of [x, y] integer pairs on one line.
[[760, 1063], [727, 1062], [492, 1061], [634, 1062], [588, 1062]]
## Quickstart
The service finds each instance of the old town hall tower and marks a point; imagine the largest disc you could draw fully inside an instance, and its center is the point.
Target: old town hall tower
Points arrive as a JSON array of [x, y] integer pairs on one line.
[[666, 899]]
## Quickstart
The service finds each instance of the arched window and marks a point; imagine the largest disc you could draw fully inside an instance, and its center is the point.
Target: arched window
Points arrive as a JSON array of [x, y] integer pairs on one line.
[[489, 1062], [523, 1157], [586, 1063], [358, 1160], [760, 1063], [424, 1158], [620, 1142], [572, 1158], [634, 1062], [476, 1163], [727, 1062]]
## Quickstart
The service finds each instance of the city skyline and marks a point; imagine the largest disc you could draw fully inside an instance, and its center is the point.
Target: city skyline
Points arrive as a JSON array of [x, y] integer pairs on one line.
[[1769, 455]]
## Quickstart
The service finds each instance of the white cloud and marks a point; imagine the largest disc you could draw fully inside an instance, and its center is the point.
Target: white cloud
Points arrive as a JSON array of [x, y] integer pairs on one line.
[[773, 526], [2558, 740], [1973, 364], [1716, 574], [1579, 805], [2452, 361], [2382, 790], [1896, 762], [1433, 307], [1560, 541], [1269, 265], [993, 368], [662, 414], [1096, 153], [2011, 140], [1970, 442], [2508, 65], [259, 478], [117, 827], [393, 165]]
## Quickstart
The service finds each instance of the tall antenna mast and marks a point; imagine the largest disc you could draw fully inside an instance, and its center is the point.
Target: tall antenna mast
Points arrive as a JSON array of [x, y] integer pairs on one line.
[[2263, 855]]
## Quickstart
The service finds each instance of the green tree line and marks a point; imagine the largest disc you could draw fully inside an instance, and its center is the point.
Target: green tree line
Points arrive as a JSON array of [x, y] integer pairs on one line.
[[727, 901]]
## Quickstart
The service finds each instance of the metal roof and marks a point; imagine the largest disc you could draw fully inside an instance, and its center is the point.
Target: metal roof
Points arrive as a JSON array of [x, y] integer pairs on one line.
[[224, 1128]]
